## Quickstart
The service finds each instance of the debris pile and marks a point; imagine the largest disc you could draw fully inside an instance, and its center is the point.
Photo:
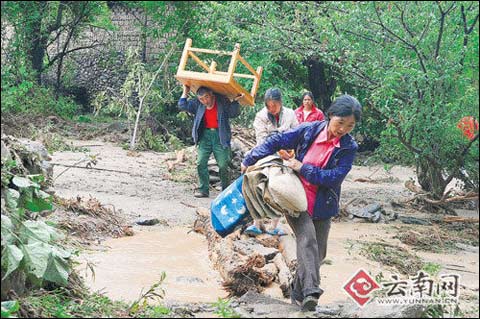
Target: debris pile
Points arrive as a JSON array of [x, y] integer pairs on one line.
[[246, 263]]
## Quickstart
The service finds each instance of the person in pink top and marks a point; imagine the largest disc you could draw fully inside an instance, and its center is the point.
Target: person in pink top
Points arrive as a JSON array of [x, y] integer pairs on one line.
[[324, 155], [308, 112]]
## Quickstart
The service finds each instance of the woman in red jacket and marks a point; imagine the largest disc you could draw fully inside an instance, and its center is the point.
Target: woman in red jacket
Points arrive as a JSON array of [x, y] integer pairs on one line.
[[308, 112]]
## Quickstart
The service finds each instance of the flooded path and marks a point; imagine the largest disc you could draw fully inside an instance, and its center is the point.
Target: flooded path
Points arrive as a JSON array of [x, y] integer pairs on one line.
[[129, 265]]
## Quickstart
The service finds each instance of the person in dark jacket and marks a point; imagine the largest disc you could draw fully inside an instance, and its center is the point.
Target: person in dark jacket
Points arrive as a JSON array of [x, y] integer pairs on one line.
[[211, 132], [324, 155]]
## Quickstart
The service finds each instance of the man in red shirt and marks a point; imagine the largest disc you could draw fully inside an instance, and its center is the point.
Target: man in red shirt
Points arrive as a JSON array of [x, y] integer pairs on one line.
[[211, 132]]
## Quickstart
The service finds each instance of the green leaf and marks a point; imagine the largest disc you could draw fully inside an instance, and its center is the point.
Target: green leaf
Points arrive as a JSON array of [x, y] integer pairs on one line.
[[37, 178], [11, 258], [9, 307], [57, 269], [22, 182], [7, 231], [12, 197], [36, 258], [47, 262], [33, 231], [41, 202]]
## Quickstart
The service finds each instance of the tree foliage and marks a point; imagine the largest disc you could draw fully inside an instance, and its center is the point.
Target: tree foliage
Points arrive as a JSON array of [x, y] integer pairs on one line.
[[413, 65], [38, 27]]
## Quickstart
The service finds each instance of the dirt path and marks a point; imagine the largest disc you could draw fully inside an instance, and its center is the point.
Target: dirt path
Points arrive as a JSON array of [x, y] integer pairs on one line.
[[142, 191]]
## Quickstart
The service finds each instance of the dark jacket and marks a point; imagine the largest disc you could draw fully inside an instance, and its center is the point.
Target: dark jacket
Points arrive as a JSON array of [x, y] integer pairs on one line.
[[226, 110], [329, 179]]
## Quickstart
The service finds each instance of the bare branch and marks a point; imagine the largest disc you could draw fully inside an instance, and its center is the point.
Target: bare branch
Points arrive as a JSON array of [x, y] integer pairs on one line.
[[408, 44], [461, 159], [402, 18]]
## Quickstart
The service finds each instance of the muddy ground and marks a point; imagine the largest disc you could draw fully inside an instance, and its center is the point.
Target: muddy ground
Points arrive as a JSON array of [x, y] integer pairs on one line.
[[139, 187]]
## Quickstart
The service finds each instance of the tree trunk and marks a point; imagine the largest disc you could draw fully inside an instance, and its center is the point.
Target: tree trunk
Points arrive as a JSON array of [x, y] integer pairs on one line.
[[37, 44], [430, 178], [321, 82]]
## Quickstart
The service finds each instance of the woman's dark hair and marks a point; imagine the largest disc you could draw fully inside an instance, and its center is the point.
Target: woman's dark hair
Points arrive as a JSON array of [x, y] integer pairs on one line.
[[310, 94], [273, 94], [344, 106]]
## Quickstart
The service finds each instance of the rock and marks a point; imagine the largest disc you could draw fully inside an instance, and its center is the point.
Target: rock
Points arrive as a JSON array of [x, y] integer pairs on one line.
[[250, 247], [5, 153], [374, 310], [35, 158], [414, 220], [469, 248], [189, 280], [261, 306], [148, 222]]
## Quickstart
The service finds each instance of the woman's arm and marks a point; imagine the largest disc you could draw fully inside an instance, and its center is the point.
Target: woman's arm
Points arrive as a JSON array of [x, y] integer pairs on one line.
[[329, 177]]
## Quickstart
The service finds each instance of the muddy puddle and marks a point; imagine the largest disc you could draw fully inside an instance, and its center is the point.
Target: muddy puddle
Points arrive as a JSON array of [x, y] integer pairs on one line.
[[126, 266]]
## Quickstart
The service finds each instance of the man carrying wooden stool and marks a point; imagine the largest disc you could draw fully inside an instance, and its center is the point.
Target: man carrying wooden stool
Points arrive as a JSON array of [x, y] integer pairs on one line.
[[211, 132]]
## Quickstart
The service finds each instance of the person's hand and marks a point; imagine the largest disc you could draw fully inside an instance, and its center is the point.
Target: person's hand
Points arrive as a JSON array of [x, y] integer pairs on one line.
[[243, 168], [239, 97], [294, 164], [186, 90], [286, 154]]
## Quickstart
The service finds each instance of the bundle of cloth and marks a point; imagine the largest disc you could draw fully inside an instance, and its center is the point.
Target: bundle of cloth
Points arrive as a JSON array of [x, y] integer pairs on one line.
[[272, 189]]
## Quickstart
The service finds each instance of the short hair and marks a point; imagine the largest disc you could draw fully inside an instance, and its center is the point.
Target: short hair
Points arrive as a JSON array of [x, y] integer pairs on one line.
[[202, 90], [345, 105], [273, 94]]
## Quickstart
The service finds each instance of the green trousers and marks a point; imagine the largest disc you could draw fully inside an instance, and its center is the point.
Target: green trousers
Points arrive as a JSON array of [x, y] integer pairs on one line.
[[210, 142]]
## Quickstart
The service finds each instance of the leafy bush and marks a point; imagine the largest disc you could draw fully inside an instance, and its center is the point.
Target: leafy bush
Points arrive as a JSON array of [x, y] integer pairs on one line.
[[28, 97], [28, 246]]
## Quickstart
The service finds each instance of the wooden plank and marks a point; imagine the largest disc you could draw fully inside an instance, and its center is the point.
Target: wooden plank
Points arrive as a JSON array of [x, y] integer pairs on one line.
[[200, 62], [233, 61], [184, 58], [237, 75], [256, 82], [202, 76], [220, 82], [249, 67], [210, 51], [230, 89]]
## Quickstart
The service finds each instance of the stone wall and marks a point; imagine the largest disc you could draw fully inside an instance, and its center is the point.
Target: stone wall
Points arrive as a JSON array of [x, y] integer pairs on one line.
[[103, 67], [88, 71]]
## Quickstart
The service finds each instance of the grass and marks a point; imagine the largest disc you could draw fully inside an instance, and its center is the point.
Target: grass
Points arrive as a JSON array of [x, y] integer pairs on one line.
[[432, 268], [393, 256], [224, 309], [60, 304]]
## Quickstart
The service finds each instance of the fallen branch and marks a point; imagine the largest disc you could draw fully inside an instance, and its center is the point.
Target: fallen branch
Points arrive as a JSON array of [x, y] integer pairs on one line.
[[452, 199], [459, 219], [410, 185], [179, 161], [365, 180], [94, 168]]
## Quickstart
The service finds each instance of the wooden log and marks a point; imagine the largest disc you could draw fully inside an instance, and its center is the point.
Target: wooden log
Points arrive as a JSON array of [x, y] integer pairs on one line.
[[288, 248], [240, 273], [251, 246], [284, 275], [459, 219], [179, 161]]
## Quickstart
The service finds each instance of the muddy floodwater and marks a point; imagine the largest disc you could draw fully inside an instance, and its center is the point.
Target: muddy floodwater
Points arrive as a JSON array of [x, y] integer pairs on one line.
[[125, 266]]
